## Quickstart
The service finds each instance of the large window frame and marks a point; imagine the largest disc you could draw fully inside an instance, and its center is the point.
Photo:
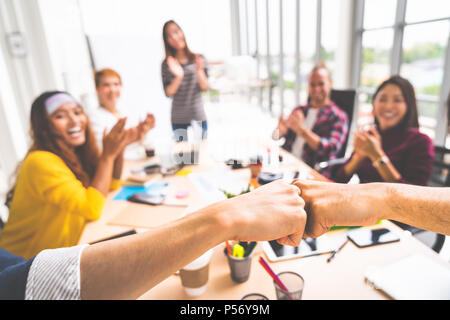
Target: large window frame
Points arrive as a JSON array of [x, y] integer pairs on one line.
[[355, 41]]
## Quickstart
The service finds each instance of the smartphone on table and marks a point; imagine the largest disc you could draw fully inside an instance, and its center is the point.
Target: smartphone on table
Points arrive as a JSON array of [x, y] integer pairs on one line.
[[364, 238]]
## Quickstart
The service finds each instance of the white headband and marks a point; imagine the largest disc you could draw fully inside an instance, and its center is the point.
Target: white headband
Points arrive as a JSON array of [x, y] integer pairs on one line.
[[57, 100]]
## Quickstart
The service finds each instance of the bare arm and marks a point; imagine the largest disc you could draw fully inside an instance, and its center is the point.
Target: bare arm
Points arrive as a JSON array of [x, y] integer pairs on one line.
[[118, 166], [330, 204], [108, 165], [273, 211], [177, 70], [172, 88], [312, 139], [201, 74]]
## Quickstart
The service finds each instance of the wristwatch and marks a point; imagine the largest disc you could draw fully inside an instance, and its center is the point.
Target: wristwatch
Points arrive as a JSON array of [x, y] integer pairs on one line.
[[381, 161]]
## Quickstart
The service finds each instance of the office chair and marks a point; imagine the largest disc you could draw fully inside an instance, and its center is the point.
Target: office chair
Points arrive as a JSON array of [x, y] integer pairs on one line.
[[440, 174], [345, 99]]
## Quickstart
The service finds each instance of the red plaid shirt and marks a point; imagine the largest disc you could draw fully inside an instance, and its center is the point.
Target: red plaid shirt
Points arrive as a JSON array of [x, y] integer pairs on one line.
[[331, 126]]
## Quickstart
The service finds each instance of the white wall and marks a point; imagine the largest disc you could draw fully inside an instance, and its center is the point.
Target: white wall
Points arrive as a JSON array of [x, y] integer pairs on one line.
[[127, 36], [55, 57], [68, 49]]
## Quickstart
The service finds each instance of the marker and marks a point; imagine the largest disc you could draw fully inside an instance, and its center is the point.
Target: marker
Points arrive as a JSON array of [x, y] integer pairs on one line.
[[228, 248], [238, 251]]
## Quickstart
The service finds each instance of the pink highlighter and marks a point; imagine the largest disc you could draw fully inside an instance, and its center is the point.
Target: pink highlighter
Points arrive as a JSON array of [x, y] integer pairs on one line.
[[181, 194]]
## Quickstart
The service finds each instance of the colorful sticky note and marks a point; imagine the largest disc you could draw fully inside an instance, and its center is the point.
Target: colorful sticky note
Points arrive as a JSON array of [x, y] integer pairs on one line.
[[184, 172]]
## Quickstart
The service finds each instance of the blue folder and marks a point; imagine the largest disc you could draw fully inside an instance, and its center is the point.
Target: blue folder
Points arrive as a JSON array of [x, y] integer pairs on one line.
[[128, 191]]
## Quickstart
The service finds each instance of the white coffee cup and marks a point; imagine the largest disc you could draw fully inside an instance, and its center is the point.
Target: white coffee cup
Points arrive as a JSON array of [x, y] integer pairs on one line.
[[194, 276]]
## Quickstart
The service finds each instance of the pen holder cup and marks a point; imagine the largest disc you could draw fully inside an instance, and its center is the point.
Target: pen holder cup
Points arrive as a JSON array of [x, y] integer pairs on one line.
[[239, 267], [293, 282]]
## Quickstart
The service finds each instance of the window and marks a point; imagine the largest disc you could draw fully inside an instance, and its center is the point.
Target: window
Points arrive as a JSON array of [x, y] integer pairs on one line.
[[419, 10], [409, 37], [330, 33], [423, 58]]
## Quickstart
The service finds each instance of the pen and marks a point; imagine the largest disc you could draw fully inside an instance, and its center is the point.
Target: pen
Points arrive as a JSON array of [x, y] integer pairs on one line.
[[228, 248], [336, 251], [274, 276]]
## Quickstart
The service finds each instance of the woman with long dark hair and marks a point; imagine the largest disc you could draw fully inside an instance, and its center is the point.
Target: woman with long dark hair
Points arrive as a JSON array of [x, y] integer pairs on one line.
[[63, 180], [395, 150], [184, 77]]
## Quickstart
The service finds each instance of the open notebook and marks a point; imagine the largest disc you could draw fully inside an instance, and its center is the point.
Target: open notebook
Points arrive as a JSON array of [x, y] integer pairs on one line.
[[412, 278]]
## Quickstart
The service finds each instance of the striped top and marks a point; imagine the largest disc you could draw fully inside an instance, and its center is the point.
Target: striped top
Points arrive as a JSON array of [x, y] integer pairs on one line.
[[187, 103]]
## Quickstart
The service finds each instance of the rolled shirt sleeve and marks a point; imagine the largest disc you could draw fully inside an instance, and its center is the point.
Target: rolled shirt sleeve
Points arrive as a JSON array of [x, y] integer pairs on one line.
[[55, 275]]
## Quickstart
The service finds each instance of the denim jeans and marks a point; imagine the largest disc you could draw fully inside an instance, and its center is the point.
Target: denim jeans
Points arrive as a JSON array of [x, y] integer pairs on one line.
[[181, 135]]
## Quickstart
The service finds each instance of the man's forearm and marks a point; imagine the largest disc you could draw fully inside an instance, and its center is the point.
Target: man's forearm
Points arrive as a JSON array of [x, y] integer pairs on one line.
[[423, 207], [312, 139], [128, 267]]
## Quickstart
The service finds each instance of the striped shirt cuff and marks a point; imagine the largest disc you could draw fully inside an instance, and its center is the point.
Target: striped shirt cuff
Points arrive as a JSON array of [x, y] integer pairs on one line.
[[55, 275]]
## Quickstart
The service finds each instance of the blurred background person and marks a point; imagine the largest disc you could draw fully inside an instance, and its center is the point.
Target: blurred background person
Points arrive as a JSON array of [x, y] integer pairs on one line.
[[184, 77], [63, 181], [108, 84], [394, 150], [315, 132]]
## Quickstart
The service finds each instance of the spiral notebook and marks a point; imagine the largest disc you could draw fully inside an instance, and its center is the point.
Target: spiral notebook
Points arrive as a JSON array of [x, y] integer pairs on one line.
[[412, 278]]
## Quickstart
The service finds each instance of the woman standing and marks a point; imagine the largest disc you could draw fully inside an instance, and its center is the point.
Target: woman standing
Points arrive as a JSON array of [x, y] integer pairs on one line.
[[63, 180], [184, 77], [394, 151]]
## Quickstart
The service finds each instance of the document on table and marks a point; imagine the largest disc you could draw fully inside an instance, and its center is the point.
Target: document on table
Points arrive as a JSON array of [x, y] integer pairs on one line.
[[412, 278]]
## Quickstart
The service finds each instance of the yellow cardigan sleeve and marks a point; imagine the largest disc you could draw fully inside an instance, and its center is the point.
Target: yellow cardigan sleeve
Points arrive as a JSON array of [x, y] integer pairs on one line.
[[54, 182]]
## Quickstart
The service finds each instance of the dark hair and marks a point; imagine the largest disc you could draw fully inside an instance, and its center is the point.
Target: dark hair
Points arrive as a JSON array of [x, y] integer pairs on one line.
[[411, 118], [170, 51], [82, 160]]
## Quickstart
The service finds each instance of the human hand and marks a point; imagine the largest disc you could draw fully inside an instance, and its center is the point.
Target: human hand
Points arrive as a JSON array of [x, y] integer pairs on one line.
[[273, 211], [334, 204], [281, 129], [146, 125], [175, 67], [295, 121], [138, 132], [368, 144], [115, 140]]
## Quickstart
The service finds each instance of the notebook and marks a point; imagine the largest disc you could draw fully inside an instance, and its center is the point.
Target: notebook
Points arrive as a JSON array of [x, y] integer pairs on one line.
[[415, 277]]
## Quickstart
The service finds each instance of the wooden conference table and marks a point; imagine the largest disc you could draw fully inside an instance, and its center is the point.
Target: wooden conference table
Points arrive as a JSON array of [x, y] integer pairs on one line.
[[342, 278]]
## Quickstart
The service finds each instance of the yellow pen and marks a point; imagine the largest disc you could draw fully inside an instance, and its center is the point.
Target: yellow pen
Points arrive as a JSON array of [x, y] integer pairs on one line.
[[238, 251]]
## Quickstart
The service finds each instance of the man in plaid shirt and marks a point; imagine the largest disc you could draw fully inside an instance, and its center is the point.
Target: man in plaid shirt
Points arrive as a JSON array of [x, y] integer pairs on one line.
[[316, 131]]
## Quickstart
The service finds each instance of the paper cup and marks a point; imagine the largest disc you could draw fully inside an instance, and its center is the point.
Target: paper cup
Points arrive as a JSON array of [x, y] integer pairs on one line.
[[194, 276]]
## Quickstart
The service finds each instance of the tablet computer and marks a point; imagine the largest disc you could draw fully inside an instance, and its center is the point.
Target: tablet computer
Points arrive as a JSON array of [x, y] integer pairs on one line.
[[308, 247]]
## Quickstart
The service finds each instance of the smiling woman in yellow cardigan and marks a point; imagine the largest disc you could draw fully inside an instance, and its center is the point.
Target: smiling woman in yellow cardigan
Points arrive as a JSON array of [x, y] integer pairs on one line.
[[63, 180]]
